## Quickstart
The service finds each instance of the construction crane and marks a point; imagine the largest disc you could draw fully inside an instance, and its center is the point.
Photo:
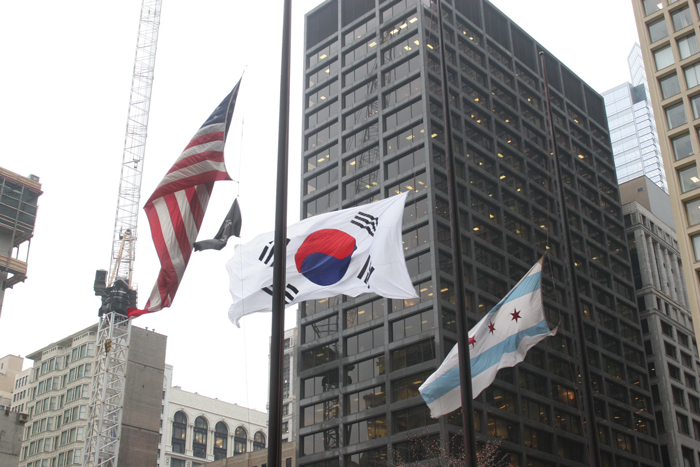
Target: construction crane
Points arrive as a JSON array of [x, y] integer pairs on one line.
[[117, 293]]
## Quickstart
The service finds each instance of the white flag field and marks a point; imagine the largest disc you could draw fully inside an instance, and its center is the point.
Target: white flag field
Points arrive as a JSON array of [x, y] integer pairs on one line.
[[351, 251], [500, 340]]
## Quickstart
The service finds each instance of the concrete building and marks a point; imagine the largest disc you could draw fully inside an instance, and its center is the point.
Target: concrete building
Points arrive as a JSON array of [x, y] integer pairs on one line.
[[670, 346], [289, 385], [373, 127], [20, 396], [668, 34], [197, 429], [59, 391], [10, 366], [18, 205], [635, 143], [11, 430]]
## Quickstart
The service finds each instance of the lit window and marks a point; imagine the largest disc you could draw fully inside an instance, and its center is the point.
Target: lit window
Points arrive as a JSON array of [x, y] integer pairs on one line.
[[199, 444], [651, 6], [676, 116], [689, 178], [259, 441], [179, 433], [240, 441]]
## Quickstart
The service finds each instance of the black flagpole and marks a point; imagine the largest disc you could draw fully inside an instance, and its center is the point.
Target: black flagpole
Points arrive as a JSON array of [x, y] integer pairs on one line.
[[465, 373], [274, 444], [588, 428]]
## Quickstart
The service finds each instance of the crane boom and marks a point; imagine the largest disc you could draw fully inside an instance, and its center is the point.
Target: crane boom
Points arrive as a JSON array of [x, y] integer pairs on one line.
[[128, 204], [103, 435]]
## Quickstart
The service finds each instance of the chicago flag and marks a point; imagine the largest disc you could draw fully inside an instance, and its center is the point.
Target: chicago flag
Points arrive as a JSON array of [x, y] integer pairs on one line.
[[500, 340], [352, 251]]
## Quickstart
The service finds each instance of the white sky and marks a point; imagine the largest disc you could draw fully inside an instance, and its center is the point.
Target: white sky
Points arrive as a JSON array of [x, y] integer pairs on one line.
[[64, 94]]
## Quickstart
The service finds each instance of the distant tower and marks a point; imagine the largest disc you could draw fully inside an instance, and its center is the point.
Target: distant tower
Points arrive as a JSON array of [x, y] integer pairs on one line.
[[18, 204], [635, 141]]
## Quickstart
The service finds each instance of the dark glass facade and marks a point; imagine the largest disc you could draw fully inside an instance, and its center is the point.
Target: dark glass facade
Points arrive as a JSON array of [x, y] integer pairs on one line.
[[373, 127]]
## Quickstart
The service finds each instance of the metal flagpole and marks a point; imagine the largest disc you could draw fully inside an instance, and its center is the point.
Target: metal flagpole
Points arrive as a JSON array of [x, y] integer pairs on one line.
[[594, 454], [465, 374], [274, 446]]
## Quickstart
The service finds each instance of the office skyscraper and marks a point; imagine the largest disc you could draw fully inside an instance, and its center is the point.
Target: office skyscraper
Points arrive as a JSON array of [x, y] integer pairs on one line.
[[635, 142], [373, 127], [668, 37], [667, 331]]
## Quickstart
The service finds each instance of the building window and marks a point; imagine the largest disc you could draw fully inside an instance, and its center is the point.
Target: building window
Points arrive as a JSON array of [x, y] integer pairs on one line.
[[651, 6], [688, 46], [676, 116], [682, 146], [695, 105], [682, 422], [681, 18], [220, 441], [199, 444], [692, 208], [318, 413], [692, 75], [689, 178], [658, 30], [696, 246], [670, 86], [179, 432], [259, 441], [240, 441], [663, 57], [365, 430]]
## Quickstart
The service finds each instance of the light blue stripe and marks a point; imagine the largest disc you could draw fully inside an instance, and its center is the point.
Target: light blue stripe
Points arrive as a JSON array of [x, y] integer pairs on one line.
[[528, 285], [450, 379]]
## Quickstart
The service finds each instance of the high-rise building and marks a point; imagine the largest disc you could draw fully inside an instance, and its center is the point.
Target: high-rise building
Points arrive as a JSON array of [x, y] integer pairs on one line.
[[373, 127], [59, 392], [635, 143], [18, 204], [668, 37], [669, 342]]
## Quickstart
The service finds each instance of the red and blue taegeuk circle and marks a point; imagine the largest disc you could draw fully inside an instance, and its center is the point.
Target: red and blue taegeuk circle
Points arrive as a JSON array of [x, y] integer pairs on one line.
[[325, 255]]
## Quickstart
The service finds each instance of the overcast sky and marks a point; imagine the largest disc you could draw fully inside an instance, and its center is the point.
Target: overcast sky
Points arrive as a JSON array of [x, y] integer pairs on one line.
[[64, 97]]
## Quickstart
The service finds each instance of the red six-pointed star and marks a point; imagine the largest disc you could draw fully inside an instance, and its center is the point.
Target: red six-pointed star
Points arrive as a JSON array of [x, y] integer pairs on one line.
[[472, 341], [515, 315], [492, 328]]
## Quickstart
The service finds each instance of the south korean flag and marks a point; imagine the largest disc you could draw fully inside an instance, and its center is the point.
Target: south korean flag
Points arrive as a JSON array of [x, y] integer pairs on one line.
[[352, 251]]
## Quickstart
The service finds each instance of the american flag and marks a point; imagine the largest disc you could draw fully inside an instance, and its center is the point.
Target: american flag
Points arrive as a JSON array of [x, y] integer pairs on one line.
[[176, 208]]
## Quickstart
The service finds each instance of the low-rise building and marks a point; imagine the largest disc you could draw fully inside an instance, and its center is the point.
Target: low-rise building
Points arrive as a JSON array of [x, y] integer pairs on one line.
[[197, 429]]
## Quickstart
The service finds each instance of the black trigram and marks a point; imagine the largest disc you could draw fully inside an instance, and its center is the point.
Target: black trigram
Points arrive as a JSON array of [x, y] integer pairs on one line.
[[366, 271], [366, 222], [290, 293], [267, 254]]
